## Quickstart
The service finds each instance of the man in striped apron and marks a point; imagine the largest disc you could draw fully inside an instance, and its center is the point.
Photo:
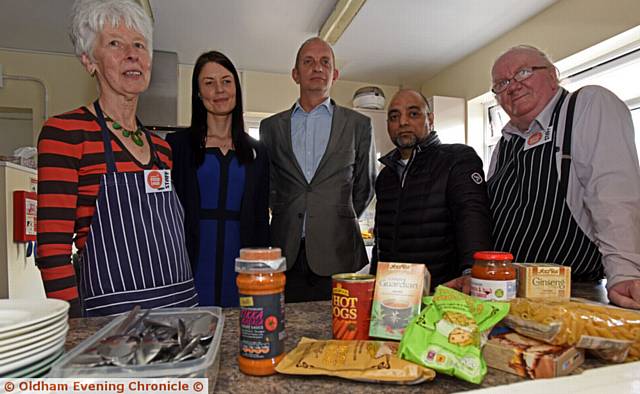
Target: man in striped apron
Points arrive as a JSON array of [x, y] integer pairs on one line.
[[564, 181]]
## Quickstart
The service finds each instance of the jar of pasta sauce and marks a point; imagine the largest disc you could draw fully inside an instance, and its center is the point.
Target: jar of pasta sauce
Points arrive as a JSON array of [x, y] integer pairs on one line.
[[493, 276], [260, 283]]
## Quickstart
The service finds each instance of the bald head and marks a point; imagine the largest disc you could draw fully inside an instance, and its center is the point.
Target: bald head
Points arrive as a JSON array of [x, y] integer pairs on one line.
[[414, 93], [311, 41]]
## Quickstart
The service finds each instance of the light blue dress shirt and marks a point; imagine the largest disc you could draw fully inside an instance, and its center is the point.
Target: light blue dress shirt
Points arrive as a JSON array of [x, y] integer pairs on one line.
[[310, 133]]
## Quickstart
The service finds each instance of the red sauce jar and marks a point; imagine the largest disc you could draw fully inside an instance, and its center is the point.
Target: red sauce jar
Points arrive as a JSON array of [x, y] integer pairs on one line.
[[493, 276]]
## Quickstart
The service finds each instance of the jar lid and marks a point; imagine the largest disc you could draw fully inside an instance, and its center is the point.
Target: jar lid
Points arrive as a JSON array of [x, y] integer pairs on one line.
[[492, 255], [260, 260], [260, 253]]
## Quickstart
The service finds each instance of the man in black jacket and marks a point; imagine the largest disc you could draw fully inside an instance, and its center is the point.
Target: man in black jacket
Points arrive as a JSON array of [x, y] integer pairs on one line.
[[432, 205]]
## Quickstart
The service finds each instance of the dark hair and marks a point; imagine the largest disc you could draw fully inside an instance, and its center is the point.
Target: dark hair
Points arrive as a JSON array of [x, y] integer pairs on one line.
[[240, 139]]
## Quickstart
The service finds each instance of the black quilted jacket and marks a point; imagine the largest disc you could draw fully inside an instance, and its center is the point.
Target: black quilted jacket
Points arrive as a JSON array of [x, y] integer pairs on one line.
[[434, 210]]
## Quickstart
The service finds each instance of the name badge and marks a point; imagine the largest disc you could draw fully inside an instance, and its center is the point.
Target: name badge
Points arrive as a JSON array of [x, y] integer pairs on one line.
[[538, 138], [156, 181]]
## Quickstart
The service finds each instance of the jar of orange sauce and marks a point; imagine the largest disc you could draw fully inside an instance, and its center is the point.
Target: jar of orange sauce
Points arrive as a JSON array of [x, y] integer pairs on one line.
[[260, 283], [493, 276]]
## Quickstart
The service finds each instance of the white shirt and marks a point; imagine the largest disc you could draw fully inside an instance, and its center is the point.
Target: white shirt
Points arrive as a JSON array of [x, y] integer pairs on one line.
[[604, 182]]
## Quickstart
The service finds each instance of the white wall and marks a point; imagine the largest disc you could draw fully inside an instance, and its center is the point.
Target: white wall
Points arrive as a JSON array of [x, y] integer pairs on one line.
[[67, 84], [448, 119], [16, 129]]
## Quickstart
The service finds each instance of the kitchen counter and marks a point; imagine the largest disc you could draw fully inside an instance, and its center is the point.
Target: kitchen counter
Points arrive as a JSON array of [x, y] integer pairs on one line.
[[313, 320]]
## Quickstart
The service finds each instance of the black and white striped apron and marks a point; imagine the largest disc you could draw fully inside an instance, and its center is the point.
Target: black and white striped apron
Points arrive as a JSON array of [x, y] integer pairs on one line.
[[530, 215], [135, 251]]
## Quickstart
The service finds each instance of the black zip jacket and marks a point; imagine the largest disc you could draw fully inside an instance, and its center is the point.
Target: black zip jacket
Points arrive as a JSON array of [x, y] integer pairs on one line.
[[434, 210]]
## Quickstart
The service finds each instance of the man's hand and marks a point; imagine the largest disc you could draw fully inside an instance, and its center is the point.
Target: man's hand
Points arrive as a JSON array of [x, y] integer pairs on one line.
[[626, 294], [462, 283]]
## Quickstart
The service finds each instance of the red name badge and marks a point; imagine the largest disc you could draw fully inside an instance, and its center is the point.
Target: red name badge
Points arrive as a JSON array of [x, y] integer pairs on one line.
[[156, 181], [538, 138]]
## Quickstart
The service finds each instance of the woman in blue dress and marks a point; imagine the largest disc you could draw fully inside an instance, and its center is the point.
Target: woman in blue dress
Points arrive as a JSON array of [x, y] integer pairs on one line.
[[221, 176]]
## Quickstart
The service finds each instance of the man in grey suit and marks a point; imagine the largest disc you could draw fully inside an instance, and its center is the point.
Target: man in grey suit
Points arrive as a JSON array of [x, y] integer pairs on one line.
[[322, 174]]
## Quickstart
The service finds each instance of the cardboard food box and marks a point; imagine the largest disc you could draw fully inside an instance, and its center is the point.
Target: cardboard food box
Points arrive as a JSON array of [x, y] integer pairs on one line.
[[397, 297], [527, 357], [543, 280]]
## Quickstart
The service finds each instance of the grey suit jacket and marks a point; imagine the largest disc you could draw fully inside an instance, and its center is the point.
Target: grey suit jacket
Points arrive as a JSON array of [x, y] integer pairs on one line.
[[339, 192]]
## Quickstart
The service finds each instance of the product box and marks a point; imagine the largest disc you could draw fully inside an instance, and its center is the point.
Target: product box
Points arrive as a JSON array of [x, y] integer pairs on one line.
[[526, 357], [543, 280], [397, 297]]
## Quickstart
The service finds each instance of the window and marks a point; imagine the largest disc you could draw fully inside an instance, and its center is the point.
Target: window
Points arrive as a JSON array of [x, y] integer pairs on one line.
[[497, 118], [618, 75], [252, 123], [635, 115]]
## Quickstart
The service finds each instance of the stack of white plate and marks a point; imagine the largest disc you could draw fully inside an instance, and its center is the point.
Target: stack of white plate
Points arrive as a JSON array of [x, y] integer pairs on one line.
[[32, 336]]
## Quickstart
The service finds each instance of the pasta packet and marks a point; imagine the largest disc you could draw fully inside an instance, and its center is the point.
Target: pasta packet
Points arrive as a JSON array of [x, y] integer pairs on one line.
[[366, 361], [449, 333], [609, 332]]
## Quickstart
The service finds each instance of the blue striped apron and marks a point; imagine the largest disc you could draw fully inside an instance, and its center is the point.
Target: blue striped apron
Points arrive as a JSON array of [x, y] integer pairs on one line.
[[530, 215], [135, 251]]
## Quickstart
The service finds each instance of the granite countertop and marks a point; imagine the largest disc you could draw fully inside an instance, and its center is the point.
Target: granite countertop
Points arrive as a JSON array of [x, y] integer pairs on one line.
[[313, 320]]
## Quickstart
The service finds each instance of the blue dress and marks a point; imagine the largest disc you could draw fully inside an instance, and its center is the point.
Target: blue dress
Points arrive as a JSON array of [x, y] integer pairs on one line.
[[221, 178]]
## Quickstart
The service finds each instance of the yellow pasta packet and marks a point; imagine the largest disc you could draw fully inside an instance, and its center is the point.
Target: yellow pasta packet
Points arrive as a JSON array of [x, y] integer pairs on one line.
[[609, 332], [366, 361]]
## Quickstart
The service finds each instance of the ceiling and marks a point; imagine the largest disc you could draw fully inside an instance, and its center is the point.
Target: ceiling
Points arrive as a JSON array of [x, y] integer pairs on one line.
[[389, 42]]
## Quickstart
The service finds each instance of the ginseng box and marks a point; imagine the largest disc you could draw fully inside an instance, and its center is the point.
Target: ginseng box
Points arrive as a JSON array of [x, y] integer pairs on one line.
[[526, 357], [543, 280], [397, 297]]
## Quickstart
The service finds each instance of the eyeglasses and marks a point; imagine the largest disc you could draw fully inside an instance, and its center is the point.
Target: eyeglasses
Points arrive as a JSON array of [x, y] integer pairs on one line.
[[520, 75]]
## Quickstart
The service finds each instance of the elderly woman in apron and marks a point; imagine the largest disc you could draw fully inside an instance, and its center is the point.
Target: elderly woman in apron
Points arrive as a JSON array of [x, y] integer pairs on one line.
[[104, 181]]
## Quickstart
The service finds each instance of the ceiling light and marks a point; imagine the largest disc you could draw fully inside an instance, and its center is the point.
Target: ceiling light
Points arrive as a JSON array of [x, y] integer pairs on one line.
[[339, 19]]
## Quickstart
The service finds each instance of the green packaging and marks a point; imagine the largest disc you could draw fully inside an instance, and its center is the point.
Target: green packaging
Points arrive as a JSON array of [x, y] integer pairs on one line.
[[449, 333]]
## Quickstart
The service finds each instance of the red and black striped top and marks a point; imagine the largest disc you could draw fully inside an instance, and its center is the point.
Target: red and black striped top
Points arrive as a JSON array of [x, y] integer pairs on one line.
[[71, 163]]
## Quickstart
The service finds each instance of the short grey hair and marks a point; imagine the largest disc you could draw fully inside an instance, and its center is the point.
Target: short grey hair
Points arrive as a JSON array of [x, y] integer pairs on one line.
[[89, 18], [530, 48], [524, 47]]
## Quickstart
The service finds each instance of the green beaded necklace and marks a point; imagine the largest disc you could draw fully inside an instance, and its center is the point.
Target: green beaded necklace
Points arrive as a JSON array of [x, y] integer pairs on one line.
[[135, 135]]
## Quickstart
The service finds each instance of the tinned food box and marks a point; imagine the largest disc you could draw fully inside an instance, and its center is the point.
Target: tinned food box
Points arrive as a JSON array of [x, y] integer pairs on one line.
[[543, 280]]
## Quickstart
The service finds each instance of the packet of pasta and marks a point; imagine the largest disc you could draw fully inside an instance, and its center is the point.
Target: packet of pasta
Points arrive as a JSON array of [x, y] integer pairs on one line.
[[609, 332], [366, 361], [449, 333]]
